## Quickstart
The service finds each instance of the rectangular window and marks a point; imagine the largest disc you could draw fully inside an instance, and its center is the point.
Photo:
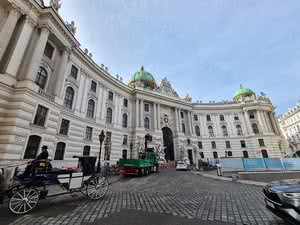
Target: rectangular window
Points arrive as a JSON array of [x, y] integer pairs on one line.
[[110, 96], [89, 133], [208, 118], [200, 145], [125, 102], [261, 142], [236, 117], [252, 116], [125, 138], [243, 144], [213, 145], [146, 107], [195, 117], [228, 144], [40, 116], [93, 86], [74, 72], [49, 49], [181, 115], [64, 127]]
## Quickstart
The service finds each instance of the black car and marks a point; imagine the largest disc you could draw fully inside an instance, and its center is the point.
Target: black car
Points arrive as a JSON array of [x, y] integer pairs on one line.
[[284, 197]]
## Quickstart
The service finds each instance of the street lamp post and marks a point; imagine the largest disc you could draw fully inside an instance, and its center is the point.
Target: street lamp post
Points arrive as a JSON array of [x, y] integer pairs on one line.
[[101, 139]]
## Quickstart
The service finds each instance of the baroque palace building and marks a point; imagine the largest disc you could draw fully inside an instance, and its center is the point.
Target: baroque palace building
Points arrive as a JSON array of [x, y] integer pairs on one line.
[[53, 93], [289, 124]]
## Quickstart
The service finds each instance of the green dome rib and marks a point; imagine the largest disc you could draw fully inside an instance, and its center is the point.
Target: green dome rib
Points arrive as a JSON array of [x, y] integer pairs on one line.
[[243, 91], [143, 76]]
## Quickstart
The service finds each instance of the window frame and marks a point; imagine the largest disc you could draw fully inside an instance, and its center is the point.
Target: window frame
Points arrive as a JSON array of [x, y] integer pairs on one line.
[[109, 116], [74, 72], [36, 120], [65, 128], [88, 133], [90, 111], [68, 102], [41, 78]]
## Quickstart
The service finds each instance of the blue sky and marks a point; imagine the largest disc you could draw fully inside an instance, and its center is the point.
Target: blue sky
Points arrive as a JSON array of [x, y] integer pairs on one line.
[[206, 48]]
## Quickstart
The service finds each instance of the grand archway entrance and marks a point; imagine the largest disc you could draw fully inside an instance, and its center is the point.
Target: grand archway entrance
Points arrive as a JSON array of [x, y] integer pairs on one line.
[[168, 143]]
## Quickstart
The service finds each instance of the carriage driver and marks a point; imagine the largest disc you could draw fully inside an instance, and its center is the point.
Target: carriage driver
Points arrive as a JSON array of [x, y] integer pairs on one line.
[[44, 154]]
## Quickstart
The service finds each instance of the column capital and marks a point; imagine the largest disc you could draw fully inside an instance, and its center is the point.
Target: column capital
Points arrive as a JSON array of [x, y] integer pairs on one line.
[[15, 10], [30, 21], [45, 28]]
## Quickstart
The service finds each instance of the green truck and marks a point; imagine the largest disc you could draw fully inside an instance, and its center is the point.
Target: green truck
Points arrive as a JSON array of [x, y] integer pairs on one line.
[[145, 165]]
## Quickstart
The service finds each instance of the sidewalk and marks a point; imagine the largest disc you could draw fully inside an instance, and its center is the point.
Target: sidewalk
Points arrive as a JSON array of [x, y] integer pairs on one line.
[[213, 174]]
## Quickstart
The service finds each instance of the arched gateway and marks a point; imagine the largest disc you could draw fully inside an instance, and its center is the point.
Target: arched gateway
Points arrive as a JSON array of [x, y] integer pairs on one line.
[[168, 143]]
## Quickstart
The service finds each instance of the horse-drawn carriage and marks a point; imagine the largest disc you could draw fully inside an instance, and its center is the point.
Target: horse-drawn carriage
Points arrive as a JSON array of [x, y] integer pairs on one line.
[[32, 185]]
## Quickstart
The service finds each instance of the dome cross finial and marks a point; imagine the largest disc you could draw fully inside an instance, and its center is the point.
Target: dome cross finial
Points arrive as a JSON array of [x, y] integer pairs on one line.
[[142, 68]]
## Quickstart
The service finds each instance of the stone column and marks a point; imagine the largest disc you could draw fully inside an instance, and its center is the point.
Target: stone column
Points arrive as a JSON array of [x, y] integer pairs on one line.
[[7, 29], [85, 95], [120, 121], [158, 117], [99, 103], [38, 54], [179, 120], [103, 108], [261, 122], [154, 116], [189, 122], [247, 122], [176, 120], [275, 125], [80, 90], [116, 111], [137, 116], [268, 122], [21, 45], [142, 113], [62, 73]]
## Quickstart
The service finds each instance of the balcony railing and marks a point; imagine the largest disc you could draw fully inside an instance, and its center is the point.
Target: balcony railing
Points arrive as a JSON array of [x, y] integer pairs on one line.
[[46, 95]]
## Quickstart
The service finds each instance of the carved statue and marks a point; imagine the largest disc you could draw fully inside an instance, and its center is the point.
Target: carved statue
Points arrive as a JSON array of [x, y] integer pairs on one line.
[[55, 4], [71, 27], [165, 87], [188, 98]]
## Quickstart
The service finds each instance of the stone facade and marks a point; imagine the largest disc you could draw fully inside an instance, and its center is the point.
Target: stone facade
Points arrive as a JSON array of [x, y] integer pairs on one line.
[[289, 124], [53, 93]]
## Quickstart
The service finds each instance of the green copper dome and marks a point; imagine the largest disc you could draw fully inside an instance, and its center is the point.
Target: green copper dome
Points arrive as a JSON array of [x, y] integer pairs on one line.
[[143, 78], [243, 92]]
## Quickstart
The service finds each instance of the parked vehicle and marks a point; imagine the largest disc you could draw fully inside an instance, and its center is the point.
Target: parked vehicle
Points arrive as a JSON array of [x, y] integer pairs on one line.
[[182, 166], [31, 185], [284, 197], [144, 166]]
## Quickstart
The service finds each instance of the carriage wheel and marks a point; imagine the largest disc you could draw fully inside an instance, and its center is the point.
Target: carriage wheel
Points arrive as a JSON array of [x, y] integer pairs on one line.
[[97, 188], [23, 200]]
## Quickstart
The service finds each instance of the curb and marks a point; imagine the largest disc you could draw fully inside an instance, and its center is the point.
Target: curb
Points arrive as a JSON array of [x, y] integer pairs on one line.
[[249, 182]]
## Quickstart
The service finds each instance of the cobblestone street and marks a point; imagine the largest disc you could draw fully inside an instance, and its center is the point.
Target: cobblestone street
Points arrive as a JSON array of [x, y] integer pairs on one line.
[[168, 194]]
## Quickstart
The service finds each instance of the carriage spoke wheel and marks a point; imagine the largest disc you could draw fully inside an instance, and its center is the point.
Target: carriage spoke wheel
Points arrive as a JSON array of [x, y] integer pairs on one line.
[[97, 188], [23, 200]]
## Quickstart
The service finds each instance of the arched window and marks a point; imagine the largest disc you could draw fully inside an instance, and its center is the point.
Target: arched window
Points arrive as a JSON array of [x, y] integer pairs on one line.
[[224, 130], [210, 131], [146, 123], [255, 128], [41, 77], [215, 154], [197, 130], [222, 117], [264, 154], [69, 96], [183, 128], [109, 115], [124, 120], [60, 151], [239, 130], [86, 150], [90, 109], [32, 147], [245, 154]]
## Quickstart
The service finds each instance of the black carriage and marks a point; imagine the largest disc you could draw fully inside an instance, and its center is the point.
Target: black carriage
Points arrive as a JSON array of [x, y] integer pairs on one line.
[[32, 185]]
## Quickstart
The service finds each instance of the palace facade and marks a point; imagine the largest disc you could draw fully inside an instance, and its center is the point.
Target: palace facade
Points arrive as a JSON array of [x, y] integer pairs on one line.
[[53, 93]]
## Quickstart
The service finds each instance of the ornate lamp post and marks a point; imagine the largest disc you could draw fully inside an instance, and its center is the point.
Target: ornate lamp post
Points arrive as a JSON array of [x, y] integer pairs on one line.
[[101, 139]]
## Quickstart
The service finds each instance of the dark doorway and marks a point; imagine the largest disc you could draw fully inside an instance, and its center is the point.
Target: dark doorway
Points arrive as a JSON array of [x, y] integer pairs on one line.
[[168, 143], [190, 155]]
